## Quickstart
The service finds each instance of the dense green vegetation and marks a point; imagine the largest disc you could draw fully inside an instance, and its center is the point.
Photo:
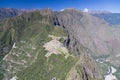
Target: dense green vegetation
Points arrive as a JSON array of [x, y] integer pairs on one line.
[[34, 32], [24, 36], [1, 75], [22, 27], [118, 73], [104, 68], [47, 68]]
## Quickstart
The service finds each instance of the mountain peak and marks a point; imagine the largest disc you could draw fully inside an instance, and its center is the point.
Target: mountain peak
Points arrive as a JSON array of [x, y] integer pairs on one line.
[[46, 11]]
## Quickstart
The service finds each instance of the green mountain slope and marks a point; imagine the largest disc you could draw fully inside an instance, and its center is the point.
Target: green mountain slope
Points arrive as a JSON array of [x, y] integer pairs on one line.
[[37, 50]]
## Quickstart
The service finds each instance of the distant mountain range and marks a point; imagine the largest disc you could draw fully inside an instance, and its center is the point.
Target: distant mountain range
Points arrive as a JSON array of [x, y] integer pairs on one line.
[[111, 18], [8, 12]]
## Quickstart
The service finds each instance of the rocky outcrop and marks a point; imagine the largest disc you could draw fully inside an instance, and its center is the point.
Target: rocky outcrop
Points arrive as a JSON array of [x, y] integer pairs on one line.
[[89, 35], [83, 30]]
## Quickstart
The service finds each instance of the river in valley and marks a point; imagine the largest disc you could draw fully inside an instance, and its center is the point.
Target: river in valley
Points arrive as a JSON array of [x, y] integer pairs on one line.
[[111, 70]]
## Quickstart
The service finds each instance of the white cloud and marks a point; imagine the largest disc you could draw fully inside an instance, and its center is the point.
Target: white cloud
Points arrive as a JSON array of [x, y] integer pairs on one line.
[[62, 9], [85, 10]]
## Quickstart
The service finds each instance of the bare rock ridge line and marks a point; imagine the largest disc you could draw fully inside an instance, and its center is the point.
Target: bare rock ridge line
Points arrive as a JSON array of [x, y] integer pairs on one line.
[[91, 32], [78, 26], [88, 34]]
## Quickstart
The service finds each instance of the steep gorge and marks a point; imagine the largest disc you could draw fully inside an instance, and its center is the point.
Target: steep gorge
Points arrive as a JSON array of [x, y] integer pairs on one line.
[[28, 32]]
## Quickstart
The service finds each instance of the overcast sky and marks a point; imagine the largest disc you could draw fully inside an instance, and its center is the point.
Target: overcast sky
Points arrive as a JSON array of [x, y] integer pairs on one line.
[[108, 5]]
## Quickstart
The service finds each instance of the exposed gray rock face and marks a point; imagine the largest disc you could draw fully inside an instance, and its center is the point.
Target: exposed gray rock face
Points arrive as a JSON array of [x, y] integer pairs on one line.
[[85, 37], [87, 31], [88, 35], [8, 12]]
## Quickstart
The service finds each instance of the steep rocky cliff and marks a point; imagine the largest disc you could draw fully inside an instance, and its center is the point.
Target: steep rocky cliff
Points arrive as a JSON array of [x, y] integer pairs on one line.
[[47, 45], [96, 35], [91, 32], [82, 32]]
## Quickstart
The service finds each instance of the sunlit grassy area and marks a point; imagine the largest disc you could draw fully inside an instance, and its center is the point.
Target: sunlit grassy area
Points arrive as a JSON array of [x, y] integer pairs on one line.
[[27, 60]]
